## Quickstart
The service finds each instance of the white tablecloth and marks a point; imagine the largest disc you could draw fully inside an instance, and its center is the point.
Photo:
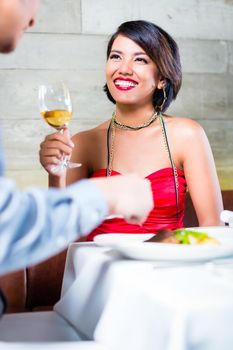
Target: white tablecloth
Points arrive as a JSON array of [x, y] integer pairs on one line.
[[126, 304], [41, 331]]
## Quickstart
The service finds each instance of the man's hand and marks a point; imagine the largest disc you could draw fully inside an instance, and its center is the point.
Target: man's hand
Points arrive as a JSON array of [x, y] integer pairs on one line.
[[129, 196]]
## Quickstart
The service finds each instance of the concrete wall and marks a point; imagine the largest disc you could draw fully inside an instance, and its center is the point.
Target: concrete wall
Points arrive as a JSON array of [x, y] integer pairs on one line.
[[69, 43]]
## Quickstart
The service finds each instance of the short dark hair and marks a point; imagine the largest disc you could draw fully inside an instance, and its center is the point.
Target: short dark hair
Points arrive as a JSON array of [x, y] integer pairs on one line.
[[161, 48]]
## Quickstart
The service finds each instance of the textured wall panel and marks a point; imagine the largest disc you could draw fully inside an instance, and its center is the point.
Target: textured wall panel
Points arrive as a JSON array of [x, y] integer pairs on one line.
[[59, 16], [205, 19]]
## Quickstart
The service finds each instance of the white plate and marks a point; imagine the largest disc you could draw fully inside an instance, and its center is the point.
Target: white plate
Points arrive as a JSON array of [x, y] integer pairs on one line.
[[111, 239], [136, 249]]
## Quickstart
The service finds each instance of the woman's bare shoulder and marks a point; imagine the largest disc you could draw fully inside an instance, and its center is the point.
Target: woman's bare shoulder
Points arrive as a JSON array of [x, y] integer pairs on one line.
[[186, 136], [184, 127]]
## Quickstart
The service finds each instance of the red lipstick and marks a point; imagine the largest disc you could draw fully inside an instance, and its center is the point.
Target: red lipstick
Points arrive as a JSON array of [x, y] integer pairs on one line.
[[125, 84]]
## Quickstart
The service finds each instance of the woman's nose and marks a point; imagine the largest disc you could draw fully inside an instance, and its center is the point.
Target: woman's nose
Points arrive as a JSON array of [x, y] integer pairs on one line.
[[126, 67]]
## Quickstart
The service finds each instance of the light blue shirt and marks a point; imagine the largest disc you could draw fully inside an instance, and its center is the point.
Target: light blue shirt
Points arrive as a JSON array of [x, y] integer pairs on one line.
[[36, 224]]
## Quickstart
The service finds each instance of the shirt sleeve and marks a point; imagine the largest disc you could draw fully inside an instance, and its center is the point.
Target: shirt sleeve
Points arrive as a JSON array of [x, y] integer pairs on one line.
[[37, 224]]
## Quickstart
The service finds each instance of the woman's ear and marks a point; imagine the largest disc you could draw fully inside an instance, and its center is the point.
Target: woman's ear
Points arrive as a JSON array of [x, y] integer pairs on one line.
[[161, 84]]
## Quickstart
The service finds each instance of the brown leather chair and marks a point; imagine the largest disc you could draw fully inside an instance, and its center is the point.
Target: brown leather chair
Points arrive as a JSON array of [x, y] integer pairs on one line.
[[44, 283], [39, 287], [190, 218], [14, 287]]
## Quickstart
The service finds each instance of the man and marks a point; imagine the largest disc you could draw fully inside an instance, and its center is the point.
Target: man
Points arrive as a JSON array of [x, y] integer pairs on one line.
[[36, 224]]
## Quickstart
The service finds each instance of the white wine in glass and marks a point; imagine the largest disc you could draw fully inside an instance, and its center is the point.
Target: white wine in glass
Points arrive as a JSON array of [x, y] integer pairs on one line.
[[56, 109], [57, 118]]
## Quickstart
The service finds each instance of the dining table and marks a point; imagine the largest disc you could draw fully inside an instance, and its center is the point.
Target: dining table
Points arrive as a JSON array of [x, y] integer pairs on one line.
[[136, 304]]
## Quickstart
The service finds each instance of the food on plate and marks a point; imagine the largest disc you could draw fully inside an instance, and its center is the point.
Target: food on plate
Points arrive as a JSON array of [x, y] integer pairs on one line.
[[183, 236]]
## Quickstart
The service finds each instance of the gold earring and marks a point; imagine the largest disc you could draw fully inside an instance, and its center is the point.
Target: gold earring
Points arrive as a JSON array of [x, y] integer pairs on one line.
[[160, 108]]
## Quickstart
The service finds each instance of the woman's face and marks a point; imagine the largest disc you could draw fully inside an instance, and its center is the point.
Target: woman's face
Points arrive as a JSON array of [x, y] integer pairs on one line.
[[131, 75]]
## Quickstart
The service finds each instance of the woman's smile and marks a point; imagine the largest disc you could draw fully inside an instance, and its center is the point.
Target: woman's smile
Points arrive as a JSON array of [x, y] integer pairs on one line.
[[125, 84]]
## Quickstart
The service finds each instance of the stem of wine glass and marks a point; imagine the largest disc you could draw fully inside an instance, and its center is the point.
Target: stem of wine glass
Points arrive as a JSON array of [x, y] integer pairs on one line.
[[66, 163], [65, 159]]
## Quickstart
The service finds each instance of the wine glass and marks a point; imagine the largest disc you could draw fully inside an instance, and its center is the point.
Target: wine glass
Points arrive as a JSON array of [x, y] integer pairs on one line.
[[56, 109]]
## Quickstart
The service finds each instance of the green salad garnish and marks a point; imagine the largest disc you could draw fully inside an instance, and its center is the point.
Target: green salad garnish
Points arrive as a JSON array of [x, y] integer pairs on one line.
[[186, 236]]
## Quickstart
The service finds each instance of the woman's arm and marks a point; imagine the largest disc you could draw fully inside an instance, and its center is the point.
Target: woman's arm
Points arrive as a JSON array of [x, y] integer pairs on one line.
[[200, 173], [80, 154]]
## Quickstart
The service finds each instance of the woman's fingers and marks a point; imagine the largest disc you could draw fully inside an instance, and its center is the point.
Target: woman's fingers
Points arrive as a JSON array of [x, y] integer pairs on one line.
[[55, 145], [62, 137], [54, 148], [50, 152]]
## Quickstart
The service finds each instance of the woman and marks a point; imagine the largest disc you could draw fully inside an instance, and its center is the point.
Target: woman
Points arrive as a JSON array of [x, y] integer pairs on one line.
[[143, 76]]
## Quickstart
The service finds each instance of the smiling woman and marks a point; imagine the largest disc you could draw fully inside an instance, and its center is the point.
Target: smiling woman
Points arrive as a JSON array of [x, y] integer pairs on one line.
[[143, 76], [130, 70], [155, 48]]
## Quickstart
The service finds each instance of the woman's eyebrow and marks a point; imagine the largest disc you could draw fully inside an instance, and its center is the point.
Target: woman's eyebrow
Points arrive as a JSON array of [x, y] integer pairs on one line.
[[135, 53], [116, 51], [140, 53]]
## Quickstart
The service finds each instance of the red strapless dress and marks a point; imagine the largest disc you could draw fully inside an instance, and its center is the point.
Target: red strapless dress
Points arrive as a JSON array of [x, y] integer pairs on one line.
[[164, 213]]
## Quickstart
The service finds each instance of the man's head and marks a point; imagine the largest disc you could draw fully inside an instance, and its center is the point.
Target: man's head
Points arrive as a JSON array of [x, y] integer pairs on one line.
[[15, 17]]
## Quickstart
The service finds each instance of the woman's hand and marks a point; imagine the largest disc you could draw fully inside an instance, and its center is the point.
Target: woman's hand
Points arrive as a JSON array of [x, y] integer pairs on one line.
[[54, 148]]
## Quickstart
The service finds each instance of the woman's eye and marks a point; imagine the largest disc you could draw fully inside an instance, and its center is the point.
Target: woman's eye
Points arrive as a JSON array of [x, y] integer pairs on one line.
[[114, 56], [142, 60]]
